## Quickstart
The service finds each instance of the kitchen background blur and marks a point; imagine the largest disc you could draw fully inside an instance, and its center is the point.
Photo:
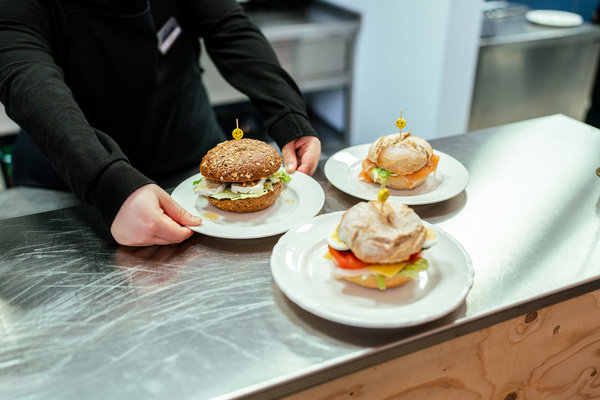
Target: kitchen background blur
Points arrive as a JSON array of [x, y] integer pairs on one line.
[[449, 66]]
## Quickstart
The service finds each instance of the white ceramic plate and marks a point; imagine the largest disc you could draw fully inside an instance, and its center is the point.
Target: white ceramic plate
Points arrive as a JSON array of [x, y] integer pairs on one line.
[[306, 278], [342, 169], [301, 199], [555, 18]]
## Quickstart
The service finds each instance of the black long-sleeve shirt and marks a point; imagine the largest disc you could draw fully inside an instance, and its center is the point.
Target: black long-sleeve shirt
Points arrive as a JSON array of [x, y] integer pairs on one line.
[[99, 160]]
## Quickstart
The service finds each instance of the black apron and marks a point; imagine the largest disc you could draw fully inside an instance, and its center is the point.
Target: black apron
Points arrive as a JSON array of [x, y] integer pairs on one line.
[[153, 105]]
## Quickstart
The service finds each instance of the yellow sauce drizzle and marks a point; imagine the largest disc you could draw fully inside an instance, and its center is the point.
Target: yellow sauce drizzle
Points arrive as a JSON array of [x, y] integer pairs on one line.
[[211, 215]]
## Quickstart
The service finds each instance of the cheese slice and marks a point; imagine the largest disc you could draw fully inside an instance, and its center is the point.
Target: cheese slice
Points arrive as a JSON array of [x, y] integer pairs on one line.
[[389, 270]]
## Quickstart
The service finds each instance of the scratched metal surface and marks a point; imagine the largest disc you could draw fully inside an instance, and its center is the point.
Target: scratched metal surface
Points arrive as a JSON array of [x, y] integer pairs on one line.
[[82, 318]]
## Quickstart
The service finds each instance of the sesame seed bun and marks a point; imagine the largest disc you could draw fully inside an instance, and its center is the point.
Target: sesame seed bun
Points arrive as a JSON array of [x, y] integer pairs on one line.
[[240, 161], [248, 205]]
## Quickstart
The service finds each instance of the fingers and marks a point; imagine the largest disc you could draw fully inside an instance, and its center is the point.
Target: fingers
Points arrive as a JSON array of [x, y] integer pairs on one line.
[[309, 152], [289, 157], [305, 169], [176, 212], [150, 216], [171, 232], [169, 224]]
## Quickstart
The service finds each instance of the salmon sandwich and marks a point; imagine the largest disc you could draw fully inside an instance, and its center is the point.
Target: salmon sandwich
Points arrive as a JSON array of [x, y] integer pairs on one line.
[[399, 161]]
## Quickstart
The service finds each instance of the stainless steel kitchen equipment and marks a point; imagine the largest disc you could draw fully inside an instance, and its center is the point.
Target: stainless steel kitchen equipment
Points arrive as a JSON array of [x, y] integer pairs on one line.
[[526, 70]]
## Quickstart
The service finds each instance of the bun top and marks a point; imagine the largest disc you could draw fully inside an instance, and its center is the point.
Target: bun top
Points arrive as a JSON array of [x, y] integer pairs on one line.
[[400, 153], [240, 161], [385, 233]]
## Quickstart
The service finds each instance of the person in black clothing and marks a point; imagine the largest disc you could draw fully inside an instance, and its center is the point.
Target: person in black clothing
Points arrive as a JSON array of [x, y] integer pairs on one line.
[[110, 98]]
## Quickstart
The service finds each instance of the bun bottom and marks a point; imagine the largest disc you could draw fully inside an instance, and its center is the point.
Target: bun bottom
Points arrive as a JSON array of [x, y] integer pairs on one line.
[[371, 282], [398, 182], [248, 205]]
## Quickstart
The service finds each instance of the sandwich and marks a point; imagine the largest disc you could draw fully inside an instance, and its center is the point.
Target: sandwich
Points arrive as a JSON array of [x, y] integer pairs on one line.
[[379, 245], [399, 161], [241, 176]]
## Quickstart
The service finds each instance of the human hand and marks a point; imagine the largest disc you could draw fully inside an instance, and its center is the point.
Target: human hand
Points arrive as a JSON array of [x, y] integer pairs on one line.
[[150, 216], [304, 151]]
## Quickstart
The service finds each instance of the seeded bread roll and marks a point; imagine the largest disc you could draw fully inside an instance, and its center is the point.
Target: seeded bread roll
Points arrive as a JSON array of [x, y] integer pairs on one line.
[[248, 205], [240, 161]]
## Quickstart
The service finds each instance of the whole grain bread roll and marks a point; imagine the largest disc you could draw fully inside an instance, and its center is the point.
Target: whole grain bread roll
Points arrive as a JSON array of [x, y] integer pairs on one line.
[[240, 161], [400, 153], [248, 205], [384, 233]]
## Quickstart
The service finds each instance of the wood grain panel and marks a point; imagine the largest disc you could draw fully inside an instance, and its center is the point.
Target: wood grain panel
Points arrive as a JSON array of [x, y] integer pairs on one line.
[[550, 354]]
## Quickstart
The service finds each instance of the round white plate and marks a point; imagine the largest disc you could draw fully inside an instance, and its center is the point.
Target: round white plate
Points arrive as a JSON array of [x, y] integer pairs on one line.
[[561, 19], [342, 169], [306, 278], [301, 199]]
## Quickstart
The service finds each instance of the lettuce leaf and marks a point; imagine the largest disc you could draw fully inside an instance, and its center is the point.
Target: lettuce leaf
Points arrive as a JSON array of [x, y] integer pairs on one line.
[[279, 176], [195, 183], [380, 281], [380, 175], [412, 270], [268, 186]]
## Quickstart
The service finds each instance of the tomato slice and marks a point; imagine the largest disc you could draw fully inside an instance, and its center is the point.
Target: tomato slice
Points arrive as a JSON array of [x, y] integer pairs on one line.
[[415, 257], [346, 259]]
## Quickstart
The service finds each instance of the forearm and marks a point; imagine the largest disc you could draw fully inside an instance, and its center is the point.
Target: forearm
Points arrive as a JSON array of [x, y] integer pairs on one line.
[[247, 61], [33, 89]]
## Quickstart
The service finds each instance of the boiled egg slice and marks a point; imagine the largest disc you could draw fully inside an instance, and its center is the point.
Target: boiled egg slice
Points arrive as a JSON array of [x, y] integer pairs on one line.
[[334, 241], [256, 188], [431, 236]]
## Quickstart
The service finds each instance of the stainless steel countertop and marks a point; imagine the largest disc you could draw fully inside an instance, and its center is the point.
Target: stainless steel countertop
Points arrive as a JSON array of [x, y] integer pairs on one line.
[[82, 318]]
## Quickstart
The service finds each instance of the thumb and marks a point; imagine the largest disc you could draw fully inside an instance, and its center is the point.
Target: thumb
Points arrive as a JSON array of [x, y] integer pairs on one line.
[[289, 157], [176, 212]]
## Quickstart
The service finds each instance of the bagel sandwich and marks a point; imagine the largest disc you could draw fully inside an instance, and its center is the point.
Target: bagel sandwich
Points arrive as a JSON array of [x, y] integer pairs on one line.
[[399, 161], [379, 245], [241, 176]]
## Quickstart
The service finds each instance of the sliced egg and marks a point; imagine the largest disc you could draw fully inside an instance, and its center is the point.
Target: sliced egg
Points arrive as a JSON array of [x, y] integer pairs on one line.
[[206, 187], [258, 188], [431, 237], [334, 241]]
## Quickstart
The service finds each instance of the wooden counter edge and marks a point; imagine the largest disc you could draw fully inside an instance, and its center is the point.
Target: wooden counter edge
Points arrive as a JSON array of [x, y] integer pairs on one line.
[[551, 353]]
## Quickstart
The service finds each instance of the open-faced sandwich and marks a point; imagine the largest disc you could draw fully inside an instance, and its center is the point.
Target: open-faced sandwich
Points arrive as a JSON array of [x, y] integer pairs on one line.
[[399, 161], [241, 176], [379, 244]]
